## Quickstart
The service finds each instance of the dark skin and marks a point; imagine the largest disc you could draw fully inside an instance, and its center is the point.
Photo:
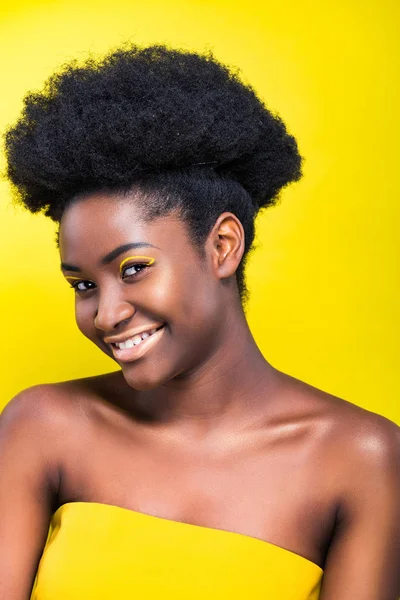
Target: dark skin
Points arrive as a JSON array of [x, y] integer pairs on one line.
[[214, 434]]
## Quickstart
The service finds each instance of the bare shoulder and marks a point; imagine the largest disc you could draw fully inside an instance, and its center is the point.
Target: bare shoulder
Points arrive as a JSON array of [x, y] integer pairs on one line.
[[357, 458], [352, 435], [39, 405], [51, 406]]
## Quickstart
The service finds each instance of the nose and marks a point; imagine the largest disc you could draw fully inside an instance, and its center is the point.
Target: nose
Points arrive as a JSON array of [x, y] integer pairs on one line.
[[112, 311]]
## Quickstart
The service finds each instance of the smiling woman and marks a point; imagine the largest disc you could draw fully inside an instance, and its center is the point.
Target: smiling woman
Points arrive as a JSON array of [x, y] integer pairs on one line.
[[197, 468]]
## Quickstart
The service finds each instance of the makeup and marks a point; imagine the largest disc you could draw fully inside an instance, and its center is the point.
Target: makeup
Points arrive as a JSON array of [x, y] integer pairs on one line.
[[147, 260]]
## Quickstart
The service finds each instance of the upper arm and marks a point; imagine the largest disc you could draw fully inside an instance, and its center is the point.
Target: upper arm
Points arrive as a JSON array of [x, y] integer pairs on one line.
[[363, 561], [28, 482]]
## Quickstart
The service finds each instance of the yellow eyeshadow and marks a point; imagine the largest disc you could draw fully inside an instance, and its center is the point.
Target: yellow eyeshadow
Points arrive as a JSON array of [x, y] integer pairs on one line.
[[145, 259]]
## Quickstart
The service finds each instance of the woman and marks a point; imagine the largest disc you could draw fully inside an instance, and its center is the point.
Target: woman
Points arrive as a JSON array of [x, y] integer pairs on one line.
[[197, 469]]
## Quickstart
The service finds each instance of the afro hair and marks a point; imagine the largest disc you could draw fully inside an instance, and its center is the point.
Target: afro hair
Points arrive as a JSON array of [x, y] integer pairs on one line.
[[179, 125]]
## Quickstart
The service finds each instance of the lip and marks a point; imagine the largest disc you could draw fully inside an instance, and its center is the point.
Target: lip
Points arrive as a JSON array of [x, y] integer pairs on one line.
[[129, 335], [132, 354]]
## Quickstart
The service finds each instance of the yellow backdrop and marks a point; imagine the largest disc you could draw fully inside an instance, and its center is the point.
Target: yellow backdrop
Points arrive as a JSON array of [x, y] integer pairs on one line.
[[324, 281]]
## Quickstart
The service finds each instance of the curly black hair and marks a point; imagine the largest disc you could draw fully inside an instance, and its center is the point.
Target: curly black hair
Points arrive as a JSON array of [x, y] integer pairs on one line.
[[179, 126]]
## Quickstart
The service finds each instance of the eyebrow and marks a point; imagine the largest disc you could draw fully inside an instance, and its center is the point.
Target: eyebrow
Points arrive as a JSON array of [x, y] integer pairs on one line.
[[108, 258]]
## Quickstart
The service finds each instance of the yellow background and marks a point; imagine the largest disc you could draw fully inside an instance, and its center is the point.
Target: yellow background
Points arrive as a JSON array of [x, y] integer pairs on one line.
[[324, 281]]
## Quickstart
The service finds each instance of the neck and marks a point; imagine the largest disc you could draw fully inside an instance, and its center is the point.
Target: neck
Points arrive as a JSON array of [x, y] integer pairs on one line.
[[229, 390]]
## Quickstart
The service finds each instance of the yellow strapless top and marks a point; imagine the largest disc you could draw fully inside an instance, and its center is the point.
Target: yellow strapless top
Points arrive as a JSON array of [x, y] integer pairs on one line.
[[99, 551]]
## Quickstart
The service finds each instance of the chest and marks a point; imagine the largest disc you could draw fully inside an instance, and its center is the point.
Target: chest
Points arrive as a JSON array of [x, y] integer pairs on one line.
[[264, 487]]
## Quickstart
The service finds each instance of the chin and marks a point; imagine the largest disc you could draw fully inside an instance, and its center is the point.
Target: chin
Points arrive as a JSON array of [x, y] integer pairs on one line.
[[145, 377], [140, 384], [142, 379]]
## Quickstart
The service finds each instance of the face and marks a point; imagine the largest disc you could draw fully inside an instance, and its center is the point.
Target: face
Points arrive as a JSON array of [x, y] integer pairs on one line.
[[143, 294]]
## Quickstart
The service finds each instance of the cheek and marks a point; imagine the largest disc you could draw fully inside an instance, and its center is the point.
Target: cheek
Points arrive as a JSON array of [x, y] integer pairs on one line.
[[84, 317], [189, 297]]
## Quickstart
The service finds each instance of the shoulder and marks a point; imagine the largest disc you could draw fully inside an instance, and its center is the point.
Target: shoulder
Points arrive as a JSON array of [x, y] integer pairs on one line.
[[370, 436], [37, 418], [52, 407], [342, 415], [369, 451], [361, 437], [355, 443], [361, 463], [38, 404]]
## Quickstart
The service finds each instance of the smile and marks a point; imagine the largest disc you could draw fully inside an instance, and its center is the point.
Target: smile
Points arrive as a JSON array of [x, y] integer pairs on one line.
[[135, 340], [136, 346]]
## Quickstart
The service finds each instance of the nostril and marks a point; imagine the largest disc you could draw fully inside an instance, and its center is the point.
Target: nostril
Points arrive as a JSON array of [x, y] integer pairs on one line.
[[110, 317]]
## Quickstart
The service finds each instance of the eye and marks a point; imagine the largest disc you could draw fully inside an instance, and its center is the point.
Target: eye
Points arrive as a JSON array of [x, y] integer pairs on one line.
[[133, 270], [83, 286]]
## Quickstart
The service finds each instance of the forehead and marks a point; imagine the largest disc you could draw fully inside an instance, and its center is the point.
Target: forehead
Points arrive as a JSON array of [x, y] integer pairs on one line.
[[95, 225]]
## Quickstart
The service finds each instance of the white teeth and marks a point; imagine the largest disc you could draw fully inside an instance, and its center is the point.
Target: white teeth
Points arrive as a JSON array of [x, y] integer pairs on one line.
[[137, 339]]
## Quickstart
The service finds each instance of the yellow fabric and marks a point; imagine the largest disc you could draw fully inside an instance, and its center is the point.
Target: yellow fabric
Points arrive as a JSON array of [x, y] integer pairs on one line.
[[103, 552]]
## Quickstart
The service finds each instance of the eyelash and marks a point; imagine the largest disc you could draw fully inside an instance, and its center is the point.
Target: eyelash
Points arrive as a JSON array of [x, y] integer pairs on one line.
[[136, 265]]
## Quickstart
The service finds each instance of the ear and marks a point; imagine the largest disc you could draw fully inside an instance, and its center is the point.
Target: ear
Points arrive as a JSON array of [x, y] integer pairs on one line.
[[226, 242]]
